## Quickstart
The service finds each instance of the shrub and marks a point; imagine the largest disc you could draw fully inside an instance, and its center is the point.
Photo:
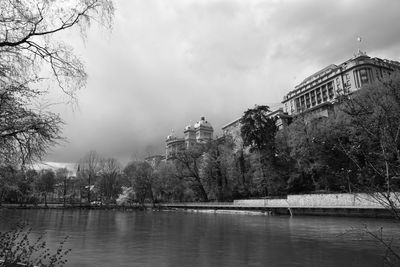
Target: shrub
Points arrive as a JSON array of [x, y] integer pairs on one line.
[[19, 247]]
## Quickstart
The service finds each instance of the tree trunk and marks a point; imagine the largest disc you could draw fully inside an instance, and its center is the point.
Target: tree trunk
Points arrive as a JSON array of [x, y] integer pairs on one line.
[[220, 182], [65, 189], [242, 166], [261, 161], [151, 196], [220, 196], [203, 192], [89, 190]]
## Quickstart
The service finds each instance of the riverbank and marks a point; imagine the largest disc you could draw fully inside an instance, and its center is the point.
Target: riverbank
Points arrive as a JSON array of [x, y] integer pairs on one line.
[[341, 205], [362, 212], [72, 206]]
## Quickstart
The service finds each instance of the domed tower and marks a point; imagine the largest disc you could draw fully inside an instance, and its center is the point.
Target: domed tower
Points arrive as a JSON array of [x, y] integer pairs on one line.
[[190, 136], [174, 144], [204, 131]]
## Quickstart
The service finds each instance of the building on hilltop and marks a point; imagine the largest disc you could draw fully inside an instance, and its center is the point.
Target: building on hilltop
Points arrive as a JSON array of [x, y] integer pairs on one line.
[[316, 95], [201, 132]]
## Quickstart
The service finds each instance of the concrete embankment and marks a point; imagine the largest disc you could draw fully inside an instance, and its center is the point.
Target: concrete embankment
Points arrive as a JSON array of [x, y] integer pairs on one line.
[[359, 205]]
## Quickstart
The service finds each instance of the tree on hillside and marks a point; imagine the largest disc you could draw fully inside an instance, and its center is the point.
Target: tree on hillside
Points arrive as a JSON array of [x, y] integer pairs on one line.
[[374, 144], [218, 171], [30, 47], [311, 150], [258, 129], [169, 186], [187, 163], [258, 132]]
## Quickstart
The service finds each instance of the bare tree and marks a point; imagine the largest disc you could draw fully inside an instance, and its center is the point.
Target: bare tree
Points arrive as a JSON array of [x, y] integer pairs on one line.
[[187, 163], [27, 38], [109, 184], [25, 133], [30, 47], [89, 167]]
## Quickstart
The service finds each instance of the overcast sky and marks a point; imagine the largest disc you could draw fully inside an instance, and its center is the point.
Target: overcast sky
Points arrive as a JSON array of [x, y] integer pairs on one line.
[[167, 63]]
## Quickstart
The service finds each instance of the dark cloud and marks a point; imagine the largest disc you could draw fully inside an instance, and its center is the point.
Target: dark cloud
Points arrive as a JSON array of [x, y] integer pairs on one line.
[[167, 63]]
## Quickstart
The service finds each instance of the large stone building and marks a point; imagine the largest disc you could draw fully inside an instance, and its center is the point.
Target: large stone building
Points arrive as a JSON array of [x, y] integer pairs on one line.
[[314, 97], [200, 132], [316, 94]]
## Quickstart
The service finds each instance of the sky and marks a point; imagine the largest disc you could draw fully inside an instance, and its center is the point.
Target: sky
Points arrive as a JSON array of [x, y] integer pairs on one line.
[[167, 63]]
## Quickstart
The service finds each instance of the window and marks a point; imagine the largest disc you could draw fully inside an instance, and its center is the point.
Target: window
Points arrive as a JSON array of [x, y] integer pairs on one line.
[[324, 93], [364, 76], [297, 103], [313, 98], [319, 96], [308, 104], [330, 90], [302, 102], [347, 83], [356, 79], [371, 76]]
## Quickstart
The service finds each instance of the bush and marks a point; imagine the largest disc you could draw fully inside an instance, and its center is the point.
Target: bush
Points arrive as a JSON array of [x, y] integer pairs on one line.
[[18, 247]]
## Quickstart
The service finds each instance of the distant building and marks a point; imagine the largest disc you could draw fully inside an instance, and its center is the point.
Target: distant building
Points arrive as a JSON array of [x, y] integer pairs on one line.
[[316, 94], [200, 132]]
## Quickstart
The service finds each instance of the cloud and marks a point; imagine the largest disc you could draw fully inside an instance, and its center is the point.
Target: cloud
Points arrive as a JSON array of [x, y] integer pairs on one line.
[[167, 63]]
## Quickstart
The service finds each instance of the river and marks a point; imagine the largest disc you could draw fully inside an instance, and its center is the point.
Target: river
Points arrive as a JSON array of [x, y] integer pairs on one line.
[[167, 238]]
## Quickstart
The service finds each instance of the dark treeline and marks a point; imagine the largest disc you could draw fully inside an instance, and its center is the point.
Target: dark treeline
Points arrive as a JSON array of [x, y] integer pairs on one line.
[[355, 149]]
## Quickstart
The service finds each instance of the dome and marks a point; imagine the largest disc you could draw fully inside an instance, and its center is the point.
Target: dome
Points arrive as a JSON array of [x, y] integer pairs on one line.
[[188, 127], [172, 136], [202, 123]]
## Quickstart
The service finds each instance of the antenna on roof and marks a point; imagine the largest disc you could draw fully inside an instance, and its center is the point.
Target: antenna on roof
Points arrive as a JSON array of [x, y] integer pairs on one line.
[[359, 39], [359, 52]]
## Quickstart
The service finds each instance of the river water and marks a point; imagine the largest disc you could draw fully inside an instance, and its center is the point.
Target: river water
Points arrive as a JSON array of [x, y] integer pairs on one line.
[[167, 238]]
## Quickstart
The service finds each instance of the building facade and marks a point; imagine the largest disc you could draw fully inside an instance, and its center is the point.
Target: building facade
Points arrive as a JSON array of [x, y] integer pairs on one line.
[[316, 94], [201, 132]]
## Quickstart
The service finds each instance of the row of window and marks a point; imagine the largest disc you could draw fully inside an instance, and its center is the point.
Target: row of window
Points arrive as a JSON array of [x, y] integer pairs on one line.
[[315, 97], [362, 76]]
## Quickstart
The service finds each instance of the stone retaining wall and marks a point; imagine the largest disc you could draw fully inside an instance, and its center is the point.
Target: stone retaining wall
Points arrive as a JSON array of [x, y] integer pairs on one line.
[[320, 200], [282, 202]]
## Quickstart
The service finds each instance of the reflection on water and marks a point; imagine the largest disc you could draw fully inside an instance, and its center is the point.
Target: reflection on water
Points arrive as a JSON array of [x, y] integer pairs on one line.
[[115, 238]]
